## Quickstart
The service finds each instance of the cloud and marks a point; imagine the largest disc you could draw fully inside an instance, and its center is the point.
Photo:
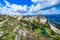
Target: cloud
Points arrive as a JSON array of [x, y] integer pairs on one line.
[[7, 3], [16, 7], [45, 2], [40, 5], [13, 9], [35, 8], [50, 11]]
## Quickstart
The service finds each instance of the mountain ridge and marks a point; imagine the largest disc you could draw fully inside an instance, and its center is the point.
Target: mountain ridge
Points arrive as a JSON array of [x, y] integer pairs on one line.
[[26, 28]]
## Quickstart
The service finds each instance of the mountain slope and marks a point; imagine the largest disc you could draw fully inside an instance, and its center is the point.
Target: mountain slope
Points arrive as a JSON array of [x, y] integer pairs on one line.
[[26, 28]]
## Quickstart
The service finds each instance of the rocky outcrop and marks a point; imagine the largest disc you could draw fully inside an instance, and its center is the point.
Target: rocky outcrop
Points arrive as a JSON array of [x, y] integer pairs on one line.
[[27, 28], [56, 30], [1, 33]]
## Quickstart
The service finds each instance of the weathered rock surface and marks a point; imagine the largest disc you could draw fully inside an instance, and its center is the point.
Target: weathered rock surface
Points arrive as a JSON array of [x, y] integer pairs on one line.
[[26, 28]]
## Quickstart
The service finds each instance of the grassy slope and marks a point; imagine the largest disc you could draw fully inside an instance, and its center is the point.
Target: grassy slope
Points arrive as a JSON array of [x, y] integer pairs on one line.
[[38, 30]]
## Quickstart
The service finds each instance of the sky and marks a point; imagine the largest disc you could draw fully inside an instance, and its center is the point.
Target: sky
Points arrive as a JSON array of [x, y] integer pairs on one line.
[[29, 7]]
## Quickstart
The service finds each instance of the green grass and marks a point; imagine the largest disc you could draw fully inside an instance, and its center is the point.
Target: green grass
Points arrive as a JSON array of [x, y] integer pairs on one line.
[[38, 30]]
